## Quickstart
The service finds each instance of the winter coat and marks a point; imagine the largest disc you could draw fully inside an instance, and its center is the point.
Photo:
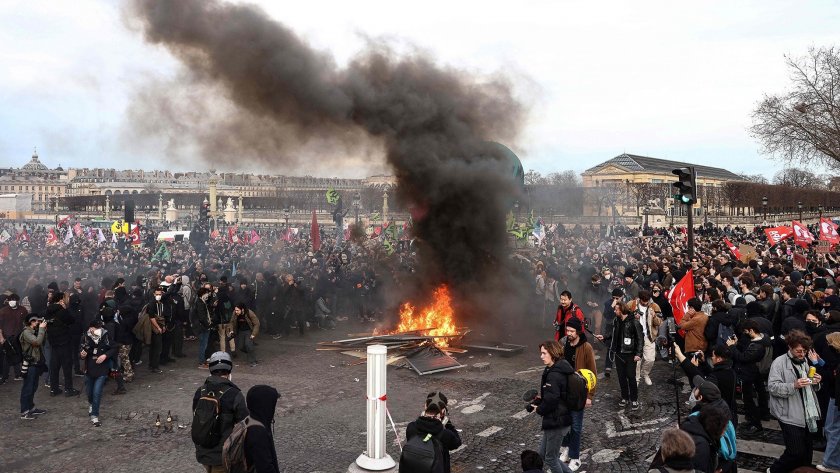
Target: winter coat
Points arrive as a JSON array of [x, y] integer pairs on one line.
[[552, 407], [705, 448], [786, 309], [60, 322], [105, 346], [563, 316], [32, 343], [747, 360], [712, 326], [653, 317], [127, 320], [446, 435], [233, 409], [786, 403], [251, 319], [202, 317], [12, 320], [260, 452], [584, 357], [695, 327], [630, 330]]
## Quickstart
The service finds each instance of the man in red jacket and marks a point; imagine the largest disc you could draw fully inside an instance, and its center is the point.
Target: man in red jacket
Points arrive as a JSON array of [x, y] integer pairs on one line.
[[566, 311]]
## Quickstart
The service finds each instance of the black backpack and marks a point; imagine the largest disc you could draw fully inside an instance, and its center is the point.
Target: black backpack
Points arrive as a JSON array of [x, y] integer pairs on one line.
[[419, 454], [206, 428], [576, 392], [14, 349]]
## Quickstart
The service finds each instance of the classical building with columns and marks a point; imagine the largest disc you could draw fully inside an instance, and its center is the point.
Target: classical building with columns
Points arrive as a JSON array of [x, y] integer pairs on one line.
[[45, 186]]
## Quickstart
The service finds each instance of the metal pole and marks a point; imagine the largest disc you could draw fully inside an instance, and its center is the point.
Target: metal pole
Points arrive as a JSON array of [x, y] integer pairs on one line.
[[690, 230], [376, 458]]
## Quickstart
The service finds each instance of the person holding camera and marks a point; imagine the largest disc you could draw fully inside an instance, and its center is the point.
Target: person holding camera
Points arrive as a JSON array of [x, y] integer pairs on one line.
[[627, 343], [551, 404], [793, 401], [721, 373], [434, 422], [32, 343]]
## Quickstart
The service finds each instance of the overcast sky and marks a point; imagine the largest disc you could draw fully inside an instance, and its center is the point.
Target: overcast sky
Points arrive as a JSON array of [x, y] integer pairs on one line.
[[673, 80]]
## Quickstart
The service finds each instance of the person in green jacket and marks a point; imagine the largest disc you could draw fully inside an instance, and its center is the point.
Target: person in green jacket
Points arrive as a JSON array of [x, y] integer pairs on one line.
[[31, 342]]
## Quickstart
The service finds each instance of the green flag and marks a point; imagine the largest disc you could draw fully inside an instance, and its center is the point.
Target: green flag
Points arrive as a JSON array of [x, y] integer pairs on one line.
[[332, 196], [375, 216], [389, 247]]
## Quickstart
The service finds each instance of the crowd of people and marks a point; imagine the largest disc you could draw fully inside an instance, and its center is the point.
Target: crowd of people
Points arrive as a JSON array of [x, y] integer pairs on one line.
[[765, 330]]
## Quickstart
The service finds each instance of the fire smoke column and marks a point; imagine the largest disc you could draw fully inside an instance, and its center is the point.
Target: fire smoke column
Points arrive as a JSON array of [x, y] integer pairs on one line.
[[432, 122], [376, 458]]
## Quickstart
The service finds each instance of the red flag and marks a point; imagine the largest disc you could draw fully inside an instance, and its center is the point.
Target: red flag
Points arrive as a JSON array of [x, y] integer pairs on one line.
[[52, 239], [801, 235], [681, 294], [23, 236], [77, 229], [777, 234], [5, 253], [828, 231], [135, 235], [215, 234], [64, 220], [255, 237], [232, 236], [732, 248], [315, 233]]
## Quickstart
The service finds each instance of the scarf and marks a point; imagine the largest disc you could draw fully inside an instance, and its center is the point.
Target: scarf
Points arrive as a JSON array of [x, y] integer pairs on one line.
[[809, 399]]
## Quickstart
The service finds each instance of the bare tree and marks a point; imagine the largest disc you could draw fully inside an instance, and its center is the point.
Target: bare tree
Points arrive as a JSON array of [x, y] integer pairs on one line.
[[534, 178], [567, 178], [795, 177], [756, 178], [802, 126]]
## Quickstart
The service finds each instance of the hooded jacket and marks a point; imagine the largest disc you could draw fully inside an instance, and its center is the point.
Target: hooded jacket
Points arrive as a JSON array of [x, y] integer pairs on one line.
[[705, 449], [552, 407], [446, 435], [715, 321], [94, 349], [747, 360], [12, 320], [260, 453], [233, 410], [59, 321]]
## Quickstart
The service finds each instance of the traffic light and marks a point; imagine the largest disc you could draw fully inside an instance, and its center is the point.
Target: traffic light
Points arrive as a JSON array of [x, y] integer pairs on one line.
[[686, 185]]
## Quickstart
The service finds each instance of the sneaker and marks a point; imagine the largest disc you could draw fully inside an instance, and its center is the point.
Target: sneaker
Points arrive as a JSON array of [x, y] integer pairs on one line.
[[574, 464], [37, 412], [622, 403], [47, 384], [648, 381], [71, 392], [26, 415], [607, 373], [54, 393], [95, 421], [564, 454], [254, 364], [752, 429], [634, 406], [638, 380], [18, 378], [828, 469]]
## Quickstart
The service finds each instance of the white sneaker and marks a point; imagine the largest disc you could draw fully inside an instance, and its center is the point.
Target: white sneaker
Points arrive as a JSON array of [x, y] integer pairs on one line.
[[564, 454], [648, 381], [574, 465], [828, 469], [95, 421]]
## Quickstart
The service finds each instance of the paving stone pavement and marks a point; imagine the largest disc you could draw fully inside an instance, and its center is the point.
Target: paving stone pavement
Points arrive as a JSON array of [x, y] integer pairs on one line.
[[321, 415]]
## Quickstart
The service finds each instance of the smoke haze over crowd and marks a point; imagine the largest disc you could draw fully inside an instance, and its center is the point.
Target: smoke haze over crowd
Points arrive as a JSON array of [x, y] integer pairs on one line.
[[277, 93]]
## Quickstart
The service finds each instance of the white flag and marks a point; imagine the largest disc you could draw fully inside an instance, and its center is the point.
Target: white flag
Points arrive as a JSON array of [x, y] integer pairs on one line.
[[69, 237], [4, 237], [100, 237]]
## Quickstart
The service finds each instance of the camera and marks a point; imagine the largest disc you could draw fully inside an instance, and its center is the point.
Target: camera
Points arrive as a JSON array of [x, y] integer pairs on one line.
[[531, 397], [696, 355]]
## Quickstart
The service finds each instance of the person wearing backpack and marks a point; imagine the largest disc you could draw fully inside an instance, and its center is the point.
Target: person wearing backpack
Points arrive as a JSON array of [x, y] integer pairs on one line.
[[250, 446], [551, 404], [706, 428], [217, 405], [430, 438], [12, 321], [579, 353], [752, 376]]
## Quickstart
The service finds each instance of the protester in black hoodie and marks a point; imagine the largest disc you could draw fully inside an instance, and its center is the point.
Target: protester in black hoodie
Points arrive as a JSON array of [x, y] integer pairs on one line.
[[435, 421], [260, 453], [706, 430], [552, 407], [62, 353]]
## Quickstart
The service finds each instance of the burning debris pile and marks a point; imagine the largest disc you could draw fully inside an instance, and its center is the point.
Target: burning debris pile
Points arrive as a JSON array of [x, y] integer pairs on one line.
[[425, 338]]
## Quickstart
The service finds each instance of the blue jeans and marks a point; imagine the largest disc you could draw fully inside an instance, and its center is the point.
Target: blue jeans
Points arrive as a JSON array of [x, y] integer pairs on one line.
[[831, 458], [95, 386], [550, 449], [27, 391], [203, 340], [572, 439]]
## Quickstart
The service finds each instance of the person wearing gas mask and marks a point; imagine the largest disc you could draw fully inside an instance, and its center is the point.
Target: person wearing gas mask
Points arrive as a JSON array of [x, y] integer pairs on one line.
[[12, 318], [97, 349]]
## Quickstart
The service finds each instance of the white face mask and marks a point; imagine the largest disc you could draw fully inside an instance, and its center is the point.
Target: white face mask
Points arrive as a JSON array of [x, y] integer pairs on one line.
[[157, 298], [12, 304], [97, 332]]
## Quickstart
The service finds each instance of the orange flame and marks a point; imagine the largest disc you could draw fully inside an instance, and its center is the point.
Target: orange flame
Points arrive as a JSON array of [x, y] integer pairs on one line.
[[439, 316]]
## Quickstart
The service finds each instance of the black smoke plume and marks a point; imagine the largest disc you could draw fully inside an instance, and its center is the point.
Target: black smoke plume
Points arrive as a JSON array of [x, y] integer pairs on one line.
[[433, 123]]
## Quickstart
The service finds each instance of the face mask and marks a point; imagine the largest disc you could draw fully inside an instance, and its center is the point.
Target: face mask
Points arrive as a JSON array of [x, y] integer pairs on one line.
[[97, 332], [692, 401], [812, 325], [204, 297], [12, 304], [157, 298]]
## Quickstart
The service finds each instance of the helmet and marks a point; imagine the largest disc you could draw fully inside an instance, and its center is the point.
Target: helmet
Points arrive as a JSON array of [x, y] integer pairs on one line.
[[220, 361], [591, 379]]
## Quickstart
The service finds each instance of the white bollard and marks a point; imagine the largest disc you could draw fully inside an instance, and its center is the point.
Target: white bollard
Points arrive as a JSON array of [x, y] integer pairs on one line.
[[376, 458]]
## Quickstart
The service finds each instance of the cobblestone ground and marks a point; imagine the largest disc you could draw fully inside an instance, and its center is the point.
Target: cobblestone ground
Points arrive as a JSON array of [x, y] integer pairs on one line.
[[321, 418]]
